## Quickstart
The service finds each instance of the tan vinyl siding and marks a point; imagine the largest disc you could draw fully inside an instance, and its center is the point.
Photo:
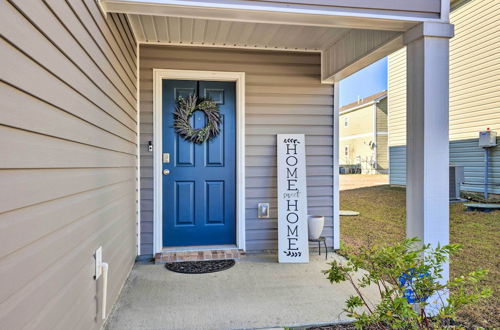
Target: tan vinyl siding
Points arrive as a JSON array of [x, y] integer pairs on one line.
[[474, 72], [396, 98], [382, 136], [359, 152], [366, 125], [283, 95], [382, 115], [382, 150], [474, 92], [359, 121], [475, 69], [68, 168]]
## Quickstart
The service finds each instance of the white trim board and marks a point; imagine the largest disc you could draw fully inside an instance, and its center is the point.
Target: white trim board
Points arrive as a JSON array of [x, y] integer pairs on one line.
[[239, 78], [350, 137], [336, 176], [205, 45], [138, 173], [356, 18]]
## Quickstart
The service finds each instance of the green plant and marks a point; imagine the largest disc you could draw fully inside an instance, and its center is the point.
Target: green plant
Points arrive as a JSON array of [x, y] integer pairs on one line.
[[479, 197], [408, 278]]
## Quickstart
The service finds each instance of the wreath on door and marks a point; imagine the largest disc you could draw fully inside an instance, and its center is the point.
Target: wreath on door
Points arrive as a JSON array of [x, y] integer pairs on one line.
[[184, 110]]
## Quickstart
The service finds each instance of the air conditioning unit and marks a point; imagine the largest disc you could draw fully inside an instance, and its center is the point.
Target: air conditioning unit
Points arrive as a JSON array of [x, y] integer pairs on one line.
[[456, 179]]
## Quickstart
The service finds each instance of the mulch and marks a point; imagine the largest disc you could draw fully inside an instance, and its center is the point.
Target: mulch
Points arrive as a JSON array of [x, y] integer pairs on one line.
[[343, 326]]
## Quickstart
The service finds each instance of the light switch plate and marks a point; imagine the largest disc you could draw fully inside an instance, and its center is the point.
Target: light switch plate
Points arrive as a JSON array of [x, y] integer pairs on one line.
[[98, 262]]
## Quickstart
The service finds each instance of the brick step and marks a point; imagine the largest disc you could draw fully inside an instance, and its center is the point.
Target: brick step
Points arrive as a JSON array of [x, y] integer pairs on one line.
[[197, 255]]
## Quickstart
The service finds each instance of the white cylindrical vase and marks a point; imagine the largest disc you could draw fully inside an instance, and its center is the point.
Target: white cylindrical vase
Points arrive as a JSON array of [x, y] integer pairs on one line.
[[315, 224]]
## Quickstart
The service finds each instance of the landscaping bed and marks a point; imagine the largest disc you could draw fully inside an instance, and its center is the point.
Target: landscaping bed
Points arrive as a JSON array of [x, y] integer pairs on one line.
[[335, 327], [382, 220]]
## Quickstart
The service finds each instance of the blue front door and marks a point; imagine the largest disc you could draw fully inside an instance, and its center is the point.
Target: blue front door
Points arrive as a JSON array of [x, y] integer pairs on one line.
[[199, 193]]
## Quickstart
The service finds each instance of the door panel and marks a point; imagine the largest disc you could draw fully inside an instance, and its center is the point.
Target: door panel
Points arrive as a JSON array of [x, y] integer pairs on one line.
[[184, 206], [215, 192], [199, 194]]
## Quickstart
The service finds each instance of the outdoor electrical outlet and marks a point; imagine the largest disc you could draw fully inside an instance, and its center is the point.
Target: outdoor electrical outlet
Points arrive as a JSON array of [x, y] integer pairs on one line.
[[98, 262], [263, 210]]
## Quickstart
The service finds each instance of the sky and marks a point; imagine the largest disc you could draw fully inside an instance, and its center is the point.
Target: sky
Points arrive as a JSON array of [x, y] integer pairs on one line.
[[370, 80]]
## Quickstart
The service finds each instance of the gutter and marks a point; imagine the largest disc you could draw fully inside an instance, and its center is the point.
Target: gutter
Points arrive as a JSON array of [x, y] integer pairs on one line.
[[362, 105]]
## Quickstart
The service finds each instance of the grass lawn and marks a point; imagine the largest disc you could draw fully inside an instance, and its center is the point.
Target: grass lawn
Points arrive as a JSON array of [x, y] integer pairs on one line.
[[382, 220]]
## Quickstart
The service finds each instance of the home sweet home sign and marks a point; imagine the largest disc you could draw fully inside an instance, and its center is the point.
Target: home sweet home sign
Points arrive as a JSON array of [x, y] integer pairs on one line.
[[293, 245]]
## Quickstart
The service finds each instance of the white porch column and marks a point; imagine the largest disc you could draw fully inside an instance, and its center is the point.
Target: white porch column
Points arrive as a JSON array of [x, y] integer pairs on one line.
[[336, 177], [427, 194]]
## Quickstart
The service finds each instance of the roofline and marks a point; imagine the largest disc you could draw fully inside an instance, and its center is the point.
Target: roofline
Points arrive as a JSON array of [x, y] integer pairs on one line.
[[362, 105], [271, 13]]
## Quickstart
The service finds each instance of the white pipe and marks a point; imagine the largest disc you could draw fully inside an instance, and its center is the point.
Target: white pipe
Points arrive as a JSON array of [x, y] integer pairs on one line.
[[486, 170], [104, 267]]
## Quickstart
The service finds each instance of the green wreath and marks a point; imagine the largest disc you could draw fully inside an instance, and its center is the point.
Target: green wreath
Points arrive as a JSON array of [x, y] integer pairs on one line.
[[185, 109]]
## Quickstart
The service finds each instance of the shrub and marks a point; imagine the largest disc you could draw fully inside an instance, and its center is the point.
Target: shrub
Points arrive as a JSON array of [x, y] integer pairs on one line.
[[412, 292]]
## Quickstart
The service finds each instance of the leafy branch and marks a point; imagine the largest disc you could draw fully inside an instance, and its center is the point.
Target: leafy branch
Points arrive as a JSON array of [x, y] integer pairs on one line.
[[408, 278]]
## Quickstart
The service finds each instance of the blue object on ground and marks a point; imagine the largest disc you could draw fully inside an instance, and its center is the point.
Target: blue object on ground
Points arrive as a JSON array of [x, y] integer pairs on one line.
[[406, 280]]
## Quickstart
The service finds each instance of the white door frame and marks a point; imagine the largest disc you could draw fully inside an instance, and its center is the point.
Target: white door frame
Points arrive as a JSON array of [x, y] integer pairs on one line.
[[158, 76]]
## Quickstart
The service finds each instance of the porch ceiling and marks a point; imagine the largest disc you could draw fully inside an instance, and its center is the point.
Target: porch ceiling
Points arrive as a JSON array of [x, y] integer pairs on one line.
[[219, 33], [343, 15], [348, 41]]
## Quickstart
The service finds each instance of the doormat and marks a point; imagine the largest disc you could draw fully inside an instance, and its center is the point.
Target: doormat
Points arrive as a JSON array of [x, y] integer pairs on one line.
[[200, 267]]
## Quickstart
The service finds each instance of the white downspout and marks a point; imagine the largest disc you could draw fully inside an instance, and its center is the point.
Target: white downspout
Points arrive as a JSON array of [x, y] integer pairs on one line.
[[104, 267], [101, 268], [374, 152]]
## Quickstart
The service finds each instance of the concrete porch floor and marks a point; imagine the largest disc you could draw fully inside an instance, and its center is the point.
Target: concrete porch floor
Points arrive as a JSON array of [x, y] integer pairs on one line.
[[256, 293]]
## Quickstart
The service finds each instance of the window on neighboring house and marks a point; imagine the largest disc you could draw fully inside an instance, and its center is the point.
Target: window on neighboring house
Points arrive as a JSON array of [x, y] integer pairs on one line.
[[346, 121]]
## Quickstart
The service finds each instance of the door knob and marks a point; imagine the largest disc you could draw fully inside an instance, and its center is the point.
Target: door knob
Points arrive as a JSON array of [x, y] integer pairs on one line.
[[166, 172]]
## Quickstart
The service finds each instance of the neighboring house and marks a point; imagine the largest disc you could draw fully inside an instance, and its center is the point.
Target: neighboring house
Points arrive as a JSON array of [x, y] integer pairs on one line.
[[89, 157], [363, 142], [474, 95]]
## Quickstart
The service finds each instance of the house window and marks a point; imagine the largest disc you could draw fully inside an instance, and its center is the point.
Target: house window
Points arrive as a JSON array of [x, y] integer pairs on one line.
[[346, 121]]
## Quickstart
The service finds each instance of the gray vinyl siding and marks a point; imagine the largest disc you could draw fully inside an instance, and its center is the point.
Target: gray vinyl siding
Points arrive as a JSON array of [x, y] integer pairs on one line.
[[465, 153], [68, 167], [397, 165], [283, 95]]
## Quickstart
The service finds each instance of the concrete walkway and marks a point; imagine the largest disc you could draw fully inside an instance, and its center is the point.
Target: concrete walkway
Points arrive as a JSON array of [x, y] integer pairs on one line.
[[256, 293], [356, 181]]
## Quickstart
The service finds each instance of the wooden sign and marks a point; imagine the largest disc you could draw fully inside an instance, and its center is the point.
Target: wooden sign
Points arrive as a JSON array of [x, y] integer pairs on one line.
[[293, 244]]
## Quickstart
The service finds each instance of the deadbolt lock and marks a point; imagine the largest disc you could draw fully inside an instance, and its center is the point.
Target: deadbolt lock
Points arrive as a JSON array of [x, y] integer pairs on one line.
[[166, 157], [166, 172]]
